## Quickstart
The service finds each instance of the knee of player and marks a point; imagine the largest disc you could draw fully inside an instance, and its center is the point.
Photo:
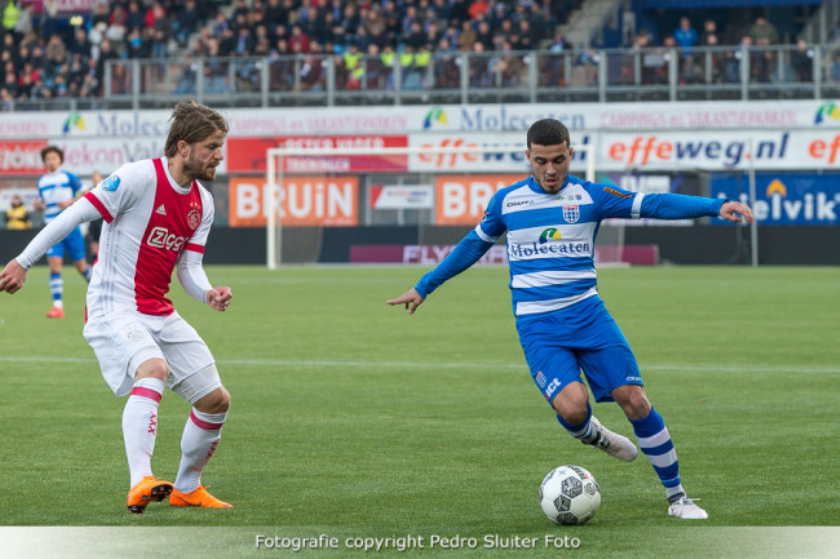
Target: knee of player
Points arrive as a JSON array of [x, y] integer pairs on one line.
[[217, 401], [573, 415], [153, 368], [635, 403], [223, 402]]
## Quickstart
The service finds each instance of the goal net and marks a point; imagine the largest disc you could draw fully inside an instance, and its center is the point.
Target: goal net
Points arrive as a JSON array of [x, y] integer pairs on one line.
[[432, 193]]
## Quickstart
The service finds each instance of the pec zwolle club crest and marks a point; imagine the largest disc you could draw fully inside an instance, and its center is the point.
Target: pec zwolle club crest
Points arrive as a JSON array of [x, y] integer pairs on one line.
[[571, 213], [194, 218]]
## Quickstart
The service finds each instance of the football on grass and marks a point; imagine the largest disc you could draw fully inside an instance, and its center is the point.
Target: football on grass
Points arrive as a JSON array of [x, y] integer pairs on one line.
[[569, 495]]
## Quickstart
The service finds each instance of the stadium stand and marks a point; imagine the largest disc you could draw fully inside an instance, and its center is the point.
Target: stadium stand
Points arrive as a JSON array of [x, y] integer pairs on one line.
[[273, 52]]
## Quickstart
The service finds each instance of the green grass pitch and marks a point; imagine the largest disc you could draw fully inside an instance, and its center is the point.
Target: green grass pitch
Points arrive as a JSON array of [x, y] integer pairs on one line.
[[352, 419]]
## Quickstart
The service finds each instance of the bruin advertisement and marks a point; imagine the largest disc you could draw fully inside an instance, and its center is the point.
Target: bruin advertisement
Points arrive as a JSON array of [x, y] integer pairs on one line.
[[462, 199], [314, 200]]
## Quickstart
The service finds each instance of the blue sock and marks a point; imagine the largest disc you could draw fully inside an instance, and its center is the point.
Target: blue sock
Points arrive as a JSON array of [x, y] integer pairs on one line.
[[86, 273], [655, 441], [56, 288], [585, 431]]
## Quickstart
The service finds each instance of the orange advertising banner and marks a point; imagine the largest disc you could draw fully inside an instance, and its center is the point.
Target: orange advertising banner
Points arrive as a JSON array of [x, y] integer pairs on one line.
[[324, 201], [462, 199]]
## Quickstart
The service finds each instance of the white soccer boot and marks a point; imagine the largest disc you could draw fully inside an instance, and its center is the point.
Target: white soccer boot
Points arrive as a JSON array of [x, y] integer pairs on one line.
[[685, 508], [617, 446]]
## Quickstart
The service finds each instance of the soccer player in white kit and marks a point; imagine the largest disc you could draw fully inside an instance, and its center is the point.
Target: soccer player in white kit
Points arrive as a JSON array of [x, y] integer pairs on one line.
[[156, 216]]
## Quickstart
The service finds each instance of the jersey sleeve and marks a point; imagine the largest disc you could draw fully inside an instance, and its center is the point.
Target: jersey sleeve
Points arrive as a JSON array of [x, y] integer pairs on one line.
[[56, 230], [192, 276], [492, 227], [680, 206], [122, 190], [468, 251], [612, 201], [465, 254]]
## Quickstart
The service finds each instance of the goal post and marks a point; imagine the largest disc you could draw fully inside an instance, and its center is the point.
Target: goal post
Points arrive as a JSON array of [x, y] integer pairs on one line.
[[307, 188]]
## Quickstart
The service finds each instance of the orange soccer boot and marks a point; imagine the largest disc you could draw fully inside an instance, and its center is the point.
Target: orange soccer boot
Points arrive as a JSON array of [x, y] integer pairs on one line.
[[198, 498], [56, 312], [149, 490]]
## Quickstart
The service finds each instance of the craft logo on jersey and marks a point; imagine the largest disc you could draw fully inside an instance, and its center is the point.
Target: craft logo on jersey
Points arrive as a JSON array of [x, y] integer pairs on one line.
[[571, 213], [194, 219], [160, 237], [550, 233]]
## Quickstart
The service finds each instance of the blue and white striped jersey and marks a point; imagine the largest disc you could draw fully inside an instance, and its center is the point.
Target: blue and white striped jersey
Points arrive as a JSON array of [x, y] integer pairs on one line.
[[551, 238], [61, 186]]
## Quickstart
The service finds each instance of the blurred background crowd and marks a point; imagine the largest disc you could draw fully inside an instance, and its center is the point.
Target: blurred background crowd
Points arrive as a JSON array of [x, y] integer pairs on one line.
[[48, 54]]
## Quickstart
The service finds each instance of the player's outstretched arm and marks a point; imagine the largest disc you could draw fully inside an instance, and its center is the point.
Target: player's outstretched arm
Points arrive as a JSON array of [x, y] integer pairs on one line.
[[219, 298], [12, 277], [734, 211], [411, 299]]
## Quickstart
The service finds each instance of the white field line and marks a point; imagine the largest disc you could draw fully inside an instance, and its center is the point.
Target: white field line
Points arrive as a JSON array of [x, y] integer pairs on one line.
[[439, 365]]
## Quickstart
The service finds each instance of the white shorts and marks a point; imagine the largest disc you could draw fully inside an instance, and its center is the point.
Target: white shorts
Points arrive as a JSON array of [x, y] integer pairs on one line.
[[124, 340]]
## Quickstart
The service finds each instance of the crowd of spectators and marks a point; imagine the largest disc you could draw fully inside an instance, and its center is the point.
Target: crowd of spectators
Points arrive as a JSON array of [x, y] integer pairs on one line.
[[729, 50], [46, 54]]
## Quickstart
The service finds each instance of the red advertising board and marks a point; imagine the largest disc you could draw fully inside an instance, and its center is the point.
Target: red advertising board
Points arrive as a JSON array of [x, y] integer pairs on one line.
[[22, 158], [325, 201], [248, 155]]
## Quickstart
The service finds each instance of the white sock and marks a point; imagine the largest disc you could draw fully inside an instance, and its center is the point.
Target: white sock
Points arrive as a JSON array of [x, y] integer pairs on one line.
[[56, 290], [198, 443], [139, 423], [674, 493]]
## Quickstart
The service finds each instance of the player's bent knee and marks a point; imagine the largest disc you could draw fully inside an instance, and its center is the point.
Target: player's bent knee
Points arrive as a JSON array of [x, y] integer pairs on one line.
[[217, 401], [203, 389], [572, 417], [153, 368], [573, 412], [633, 401], [571, 402]]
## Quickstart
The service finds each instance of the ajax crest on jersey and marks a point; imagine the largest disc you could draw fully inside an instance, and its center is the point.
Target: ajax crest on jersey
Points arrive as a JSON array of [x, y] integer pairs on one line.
[[194, 219], [569, 495], [571, 213]]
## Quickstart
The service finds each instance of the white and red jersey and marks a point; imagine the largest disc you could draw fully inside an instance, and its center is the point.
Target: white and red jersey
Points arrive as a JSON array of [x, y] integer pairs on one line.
[[149, 221]]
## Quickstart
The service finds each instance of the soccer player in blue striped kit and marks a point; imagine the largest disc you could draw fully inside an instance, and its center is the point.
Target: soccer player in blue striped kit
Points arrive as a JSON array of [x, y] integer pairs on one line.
[[58, 190], [551, 220]]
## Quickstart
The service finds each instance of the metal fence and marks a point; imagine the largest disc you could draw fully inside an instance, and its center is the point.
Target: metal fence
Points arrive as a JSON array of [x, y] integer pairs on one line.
[[608, 75]]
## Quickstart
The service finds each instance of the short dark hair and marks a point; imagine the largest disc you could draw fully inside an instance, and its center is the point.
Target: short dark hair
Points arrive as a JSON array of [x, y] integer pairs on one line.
[[548, 132], [52, 148], [192, 122]]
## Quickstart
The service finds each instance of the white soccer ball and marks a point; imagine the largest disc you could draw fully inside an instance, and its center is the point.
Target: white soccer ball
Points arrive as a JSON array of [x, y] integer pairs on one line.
[[569, 495]]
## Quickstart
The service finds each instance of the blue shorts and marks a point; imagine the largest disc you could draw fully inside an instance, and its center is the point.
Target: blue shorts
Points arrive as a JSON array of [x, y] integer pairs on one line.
[[584, 336], [73, 244]]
